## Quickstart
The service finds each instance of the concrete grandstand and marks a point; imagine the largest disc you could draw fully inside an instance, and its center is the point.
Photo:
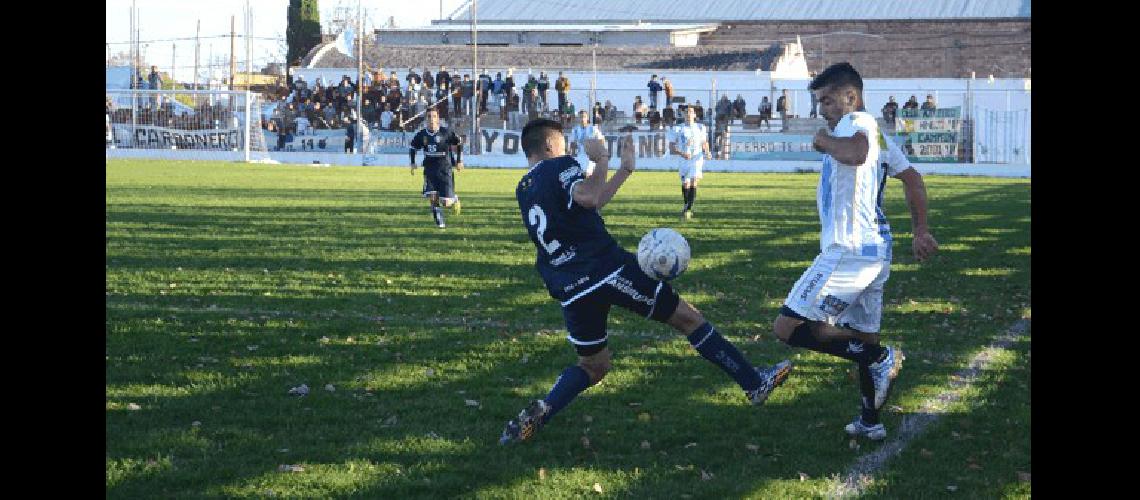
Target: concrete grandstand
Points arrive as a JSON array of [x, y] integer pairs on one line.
[[884, 38]]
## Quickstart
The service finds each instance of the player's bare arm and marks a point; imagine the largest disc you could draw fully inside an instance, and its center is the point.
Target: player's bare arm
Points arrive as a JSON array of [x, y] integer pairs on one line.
[[915, 188], [673, 149], [847, 150], [586, 192], [628, 164]]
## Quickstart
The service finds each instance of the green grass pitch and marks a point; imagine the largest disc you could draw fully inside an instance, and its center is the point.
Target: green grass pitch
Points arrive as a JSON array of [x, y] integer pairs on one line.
[[229, 284]]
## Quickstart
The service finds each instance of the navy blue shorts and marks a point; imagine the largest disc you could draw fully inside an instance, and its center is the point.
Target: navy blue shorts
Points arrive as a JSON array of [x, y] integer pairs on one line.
[[439, 180], [628, 287]]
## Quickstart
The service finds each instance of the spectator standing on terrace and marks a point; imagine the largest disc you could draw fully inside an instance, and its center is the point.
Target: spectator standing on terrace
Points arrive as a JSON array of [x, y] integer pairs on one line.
[[497, 85], [723, 112], [443, 78], [531, 83], [568, 116], [599, 114], [638, 110], [911, 103], [543, 86], [654, 119], [429, 81], [483, 90], [929, 104], [890, 111], [509, 89], [455, 93], [814, 100], [386, 119], [782, 108], [154, 81], [668, 85], [668, 116], [611, 111], [532, 106], [654, 88], [466, 92], [413, 78], [765, 110], [738, 107], [562, 86]]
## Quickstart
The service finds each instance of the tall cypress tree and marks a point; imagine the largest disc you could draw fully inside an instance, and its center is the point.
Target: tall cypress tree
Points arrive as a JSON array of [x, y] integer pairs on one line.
[[304, 29]]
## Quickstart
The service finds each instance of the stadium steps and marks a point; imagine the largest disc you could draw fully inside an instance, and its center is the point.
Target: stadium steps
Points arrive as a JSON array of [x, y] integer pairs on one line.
[[552, 59]]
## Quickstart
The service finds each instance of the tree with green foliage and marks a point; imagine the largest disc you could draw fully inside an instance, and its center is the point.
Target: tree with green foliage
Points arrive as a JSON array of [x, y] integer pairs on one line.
[[304, 29]]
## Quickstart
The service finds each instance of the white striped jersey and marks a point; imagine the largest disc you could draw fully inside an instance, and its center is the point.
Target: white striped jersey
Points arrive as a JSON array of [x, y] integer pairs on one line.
[[578, 135], [849, 197]]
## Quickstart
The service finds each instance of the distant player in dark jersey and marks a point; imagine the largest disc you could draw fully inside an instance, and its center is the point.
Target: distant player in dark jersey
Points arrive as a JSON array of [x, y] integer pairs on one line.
[[439, 181], [587, 272]]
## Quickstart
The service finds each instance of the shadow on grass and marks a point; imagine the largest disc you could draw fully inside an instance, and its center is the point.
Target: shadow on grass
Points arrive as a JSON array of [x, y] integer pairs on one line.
[[243, 427]]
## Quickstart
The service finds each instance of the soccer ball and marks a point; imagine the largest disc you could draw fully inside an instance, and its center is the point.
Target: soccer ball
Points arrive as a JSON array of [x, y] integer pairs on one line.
[[663, 254]]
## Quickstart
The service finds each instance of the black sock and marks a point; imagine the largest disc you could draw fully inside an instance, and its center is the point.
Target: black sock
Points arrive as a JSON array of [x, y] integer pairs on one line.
[[684, 197], [692, 196], [867, 391], [437, 214], [719, 351], [850, 349]]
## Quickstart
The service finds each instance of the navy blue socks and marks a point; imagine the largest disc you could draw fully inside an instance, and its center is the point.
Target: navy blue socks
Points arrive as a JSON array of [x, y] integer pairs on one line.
[[719, 351], [569, 385]]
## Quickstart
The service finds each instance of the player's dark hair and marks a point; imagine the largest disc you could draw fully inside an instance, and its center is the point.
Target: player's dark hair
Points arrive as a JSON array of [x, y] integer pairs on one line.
[[838, 75], [534, 135]]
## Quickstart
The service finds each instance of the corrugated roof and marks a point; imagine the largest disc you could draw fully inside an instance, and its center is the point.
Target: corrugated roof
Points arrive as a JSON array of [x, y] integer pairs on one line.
[[556, 27], [570, 11]]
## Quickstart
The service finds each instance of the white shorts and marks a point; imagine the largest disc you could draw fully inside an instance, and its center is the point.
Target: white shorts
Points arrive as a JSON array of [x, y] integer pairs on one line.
[[691, 169], [842, 288]]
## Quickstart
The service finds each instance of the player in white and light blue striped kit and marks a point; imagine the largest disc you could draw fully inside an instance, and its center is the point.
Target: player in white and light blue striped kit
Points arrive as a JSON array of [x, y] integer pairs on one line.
[[689, 141], [836, 305]]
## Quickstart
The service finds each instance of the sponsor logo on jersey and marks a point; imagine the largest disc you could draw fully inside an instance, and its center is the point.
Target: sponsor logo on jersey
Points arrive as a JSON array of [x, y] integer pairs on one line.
[[624, 285], [833, 305], [564, 258], [575, 284], [569, 174], [811, 286]]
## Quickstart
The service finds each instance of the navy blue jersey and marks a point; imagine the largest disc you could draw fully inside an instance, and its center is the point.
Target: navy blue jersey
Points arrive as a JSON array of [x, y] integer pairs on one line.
[[575, 252], [436, 147]]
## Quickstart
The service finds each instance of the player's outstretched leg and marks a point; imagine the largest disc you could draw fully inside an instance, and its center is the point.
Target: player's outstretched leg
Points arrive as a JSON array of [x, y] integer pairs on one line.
[[757, 383], [572, 382]]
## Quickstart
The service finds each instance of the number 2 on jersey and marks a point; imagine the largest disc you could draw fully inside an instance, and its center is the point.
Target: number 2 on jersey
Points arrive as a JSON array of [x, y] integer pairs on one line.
[[537, 217]]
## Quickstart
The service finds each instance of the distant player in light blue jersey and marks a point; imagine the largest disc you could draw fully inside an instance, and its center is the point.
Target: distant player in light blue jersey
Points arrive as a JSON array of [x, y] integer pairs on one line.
[[578, 135], [689, 141], [587, 272], [836, 305]]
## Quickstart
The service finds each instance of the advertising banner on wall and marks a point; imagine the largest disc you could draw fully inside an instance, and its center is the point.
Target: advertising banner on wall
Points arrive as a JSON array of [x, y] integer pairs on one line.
[[932, 135], [152, 137]]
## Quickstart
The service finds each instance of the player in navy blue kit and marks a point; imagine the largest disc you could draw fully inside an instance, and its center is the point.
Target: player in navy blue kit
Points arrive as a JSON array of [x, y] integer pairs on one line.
[[585, 269], [439, 182]]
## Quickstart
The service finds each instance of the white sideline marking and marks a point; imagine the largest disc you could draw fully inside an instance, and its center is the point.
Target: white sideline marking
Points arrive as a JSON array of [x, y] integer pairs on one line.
[[860, 474]]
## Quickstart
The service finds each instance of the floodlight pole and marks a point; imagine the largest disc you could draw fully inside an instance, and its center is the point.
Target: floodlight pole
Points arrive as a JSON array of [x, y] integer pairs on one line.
[[477, 82], [359, 139]]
